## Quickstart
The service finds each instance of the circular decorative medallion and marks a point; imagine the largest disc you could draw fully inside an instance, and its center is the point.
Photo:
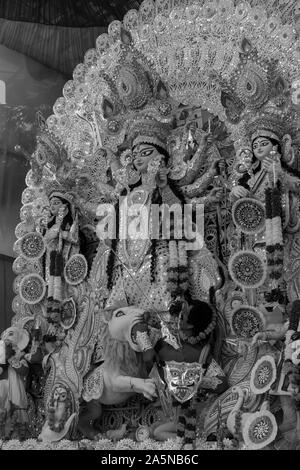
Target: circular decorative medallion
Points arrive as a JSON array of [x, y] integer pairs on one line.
[[259, 430], [249, 215], [68, 314], [17, 305], [263, 375], [247, 269], [76, 269], [32, 288], [32, 246], [246, 321], [142, 433]]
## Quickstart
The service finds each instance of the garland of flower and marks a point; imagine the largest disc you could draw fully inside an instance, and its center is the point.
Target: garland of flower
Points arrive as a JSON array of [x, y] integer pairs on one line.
[[274, 240], [203, 334], [178, 280]]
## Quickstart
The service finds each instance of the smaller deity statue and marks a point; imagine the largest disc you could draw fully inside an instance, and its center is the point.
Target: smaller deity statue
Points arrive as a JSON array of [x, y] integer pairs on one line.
[[13, 373], [61, 237], [266, 184]]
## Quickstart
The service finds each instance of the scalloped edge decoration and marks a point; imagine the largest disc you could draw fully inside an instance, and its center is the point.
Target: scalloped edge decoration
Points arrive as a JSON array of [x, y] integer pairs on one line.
[[235, 206], [147, 13], [248, 422], [257, 314], [70, 281], [36, 301], [70, 300], [236, 280], [32, 258], [254, 389]]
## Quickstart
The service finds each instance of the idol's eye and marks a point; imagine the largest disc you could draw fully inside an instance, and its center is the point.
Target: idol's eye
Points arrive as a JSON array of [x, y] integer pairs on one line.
[[146, 152], [175, 374], [120, 313], [190, 376]]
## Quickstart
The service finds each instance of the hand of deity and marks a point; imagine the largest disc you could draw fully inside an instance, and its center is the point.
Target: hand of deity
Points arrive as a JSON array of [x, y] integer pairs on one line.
[[206, 140], [51, 233], [272, 165], [215, 195], [149, 389], [60, 217], [257, 338], [162, 177], [218, 165], [267, 163], [239, 191]]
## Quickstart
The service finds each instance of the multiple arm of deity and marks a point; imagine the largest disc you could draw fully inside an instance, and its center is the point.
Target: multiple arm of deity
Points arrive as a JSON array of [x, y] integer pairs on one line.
[[199, 185]]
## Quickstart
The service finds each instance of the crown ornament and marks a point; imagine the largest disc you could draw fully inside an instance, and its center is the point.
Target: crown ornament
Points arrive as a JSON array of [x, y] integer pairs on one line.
[[268, 122], [146, 129], [138, 102]]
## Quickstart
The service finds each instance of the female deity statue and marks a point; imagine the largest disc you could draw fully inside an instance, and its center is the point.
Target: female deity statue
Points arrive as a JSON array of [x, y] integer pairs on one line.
[[61, 237], [148, 265], [275, 186]]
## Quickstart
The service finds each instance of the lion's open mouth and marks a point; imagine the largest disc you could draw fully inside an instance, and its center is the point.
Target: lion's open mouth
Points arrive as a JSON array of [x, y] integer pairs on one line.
[[137, 326]]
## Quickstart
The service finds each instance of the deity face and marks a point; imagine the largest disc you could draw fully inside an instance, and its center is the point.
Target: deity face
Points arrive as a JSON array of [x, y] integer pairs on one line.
[[56, 205], [10, 336], [262, 147], [60, 394], [143, 154], [183, 379], [17, 337]]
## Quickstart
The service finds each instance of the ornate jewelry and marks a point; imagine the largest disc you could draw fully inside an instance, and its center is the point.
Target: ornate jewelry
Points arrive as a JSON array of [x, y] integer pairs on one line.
[[32, 246], [202, 335], [259, 429], [32, 289], [76, 269], [263, 375], [246, 321], [68, 314], [249, 215], [247, 269]]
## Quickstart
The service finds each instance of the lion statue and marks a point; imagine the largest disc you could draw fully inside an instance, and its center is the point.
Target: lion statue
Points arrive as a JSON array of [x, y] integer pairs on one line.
[[122, 372]]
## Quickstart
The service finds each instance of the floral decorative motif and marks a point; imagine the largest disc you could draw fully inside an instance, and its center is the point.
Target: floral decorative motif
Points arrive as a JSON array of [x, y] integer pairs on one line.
[[32, 246], [247, 269], [32, 289], [263, 375], [259, 430], [68, 314], [249, 215], [246, 321], [252, 86], [76, 269]]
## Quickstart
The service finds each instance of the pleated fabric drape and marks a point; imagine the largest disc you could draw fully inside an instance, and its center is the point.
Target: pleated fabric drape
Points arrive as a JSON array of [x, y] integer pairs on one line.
[[58, 48], [6, 291], [70, 13]]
